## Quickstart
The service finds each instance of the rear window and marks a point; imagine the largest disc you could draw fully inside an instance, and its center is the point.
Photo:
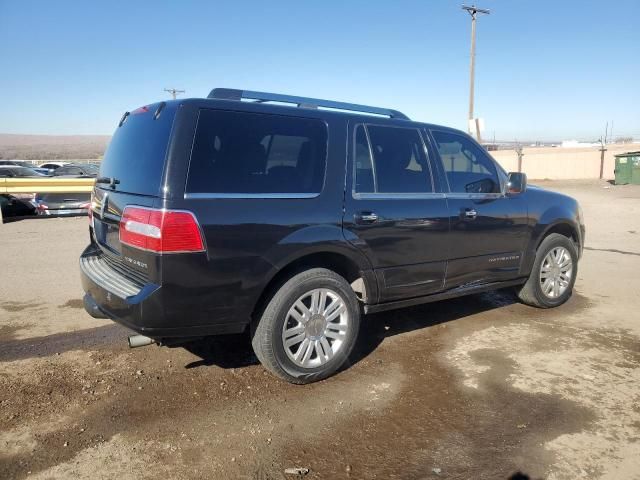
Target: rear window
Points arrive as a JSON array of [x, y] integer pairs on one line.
[[251, 153], [137, 151]]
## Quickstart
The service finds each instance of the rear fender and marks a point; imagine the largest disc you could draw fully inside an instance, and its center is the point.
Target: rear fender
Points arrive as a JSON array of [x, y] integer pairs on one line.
[[319, 239]]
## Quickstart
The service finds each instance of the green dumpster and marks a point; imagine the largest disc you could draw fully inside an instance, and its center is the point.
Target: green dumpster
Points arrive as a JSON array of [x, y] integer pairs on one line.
[[627, 168]]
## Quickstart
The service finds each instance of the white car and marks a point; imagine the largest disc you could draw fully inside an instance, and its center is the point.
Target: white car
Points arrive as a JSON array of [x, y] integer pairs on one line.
[[53, 165]]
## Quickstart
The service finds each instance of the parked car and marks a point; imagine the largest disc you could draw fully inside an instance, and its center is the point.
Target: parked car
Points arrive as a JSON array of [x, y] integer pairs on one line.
[[222, 215], [15, 207], [51, 166], [7, 171], [63, 203], [17, 163], [77, 170], [22, 163]]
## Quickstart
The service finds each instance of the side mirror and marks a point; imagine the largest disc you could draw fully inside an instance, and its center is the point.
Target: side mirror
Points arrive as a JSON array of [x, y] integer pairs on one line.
[[517, 183]]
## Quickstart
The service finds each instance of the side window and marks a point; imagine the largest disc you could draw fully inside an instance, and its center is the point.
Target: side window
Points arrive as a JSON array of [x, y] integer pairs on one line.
[[468, 168], [394, 162], [236, 152], [364, 174]]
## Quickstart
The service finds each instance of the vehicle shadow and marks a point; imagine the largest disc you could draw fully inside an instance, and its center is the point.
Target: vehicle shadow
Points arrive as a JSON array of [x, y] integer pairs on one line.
[[234, 351], [376, 327]]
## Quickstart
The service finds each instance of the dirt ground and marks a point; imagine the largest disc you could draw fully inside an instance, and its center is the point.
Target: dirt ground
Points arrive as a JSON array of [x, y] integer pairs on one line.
[[478, 387]]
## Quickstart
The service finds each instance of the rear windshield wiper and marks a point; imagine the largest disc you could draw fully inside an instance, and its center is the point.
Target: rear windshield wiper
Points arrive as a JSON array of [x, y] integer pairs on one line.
[[112, 181]]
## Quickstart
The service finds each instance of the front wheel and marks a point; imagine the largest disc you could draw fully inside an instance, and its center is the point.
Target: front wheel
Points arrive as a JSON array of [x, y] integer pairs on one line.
[[309, 327], [553, 274]]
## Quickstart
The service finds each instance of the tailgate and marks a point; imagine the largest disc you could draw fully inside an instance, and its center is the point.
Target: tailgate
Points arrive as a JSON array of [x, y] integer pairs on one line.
[[133, 167], [107, 211]]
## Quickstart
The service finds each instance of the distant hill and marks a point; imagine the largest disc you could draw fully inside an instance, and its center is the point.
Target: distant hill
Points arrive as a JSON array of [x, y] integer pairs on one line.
[[49, 147]]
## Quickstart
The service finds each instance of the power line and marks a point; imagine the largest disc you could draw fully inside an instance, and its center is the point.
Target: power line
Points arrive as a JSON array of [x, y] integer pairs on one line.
[[173, 92], [473, 11]]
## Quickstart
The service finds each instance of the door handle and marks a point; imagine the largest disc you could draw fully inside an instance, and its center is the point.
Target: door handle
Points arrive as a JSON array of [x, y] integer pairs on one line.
[[470, 213], [366, 217]]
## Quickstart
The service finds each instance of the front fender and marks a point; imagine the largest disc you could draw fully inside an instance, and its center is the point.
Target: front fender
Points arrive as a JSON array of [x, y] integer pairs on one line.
[[549, 213]]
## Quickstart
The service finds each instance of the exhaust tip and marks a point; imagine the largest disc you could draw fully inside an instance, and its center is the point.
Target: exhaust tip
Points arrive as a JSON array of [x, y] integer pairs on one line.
[[139, 341]]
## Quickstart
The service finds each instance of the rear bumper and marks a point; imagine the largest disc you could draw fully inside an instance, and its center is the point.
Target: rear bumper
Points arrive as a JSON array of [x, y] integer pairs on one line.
[[141, 307], [63, 212]]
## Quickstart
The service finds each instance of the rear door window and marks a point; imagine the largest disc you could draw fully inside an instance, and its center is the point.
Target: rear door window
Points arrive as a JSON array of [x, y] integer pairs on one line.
[[390, 160], [251, 153]]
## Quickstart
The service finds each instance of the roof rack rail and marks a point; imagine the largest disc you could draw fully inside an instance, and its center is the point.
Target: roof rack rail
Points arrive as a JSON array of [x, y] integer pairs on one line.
[[302, 102]]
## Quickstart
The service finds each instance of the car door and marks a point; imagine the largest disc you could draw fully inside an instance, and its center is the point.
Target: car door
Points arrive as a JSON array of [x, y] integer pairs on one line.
[[488, 227], [393, 210]]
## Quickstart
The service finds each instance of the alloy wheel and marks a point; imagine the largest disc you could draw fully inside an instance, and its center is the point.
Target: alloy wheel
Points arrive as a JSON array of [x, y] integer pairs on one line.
[[555, 272], [315, 328]]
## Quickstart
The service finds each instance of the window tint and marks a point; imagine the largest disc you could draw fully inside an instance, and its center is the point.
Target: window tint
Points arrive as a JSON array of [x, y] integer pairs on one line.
[[137, 151], [468, 168], [365, 179], [395, 163], [237, 152]]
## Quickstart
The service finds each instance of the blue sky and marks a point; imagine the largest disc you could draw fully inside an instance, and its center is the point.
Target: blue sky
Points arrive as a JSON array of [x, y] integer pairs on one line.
[[545, 69]]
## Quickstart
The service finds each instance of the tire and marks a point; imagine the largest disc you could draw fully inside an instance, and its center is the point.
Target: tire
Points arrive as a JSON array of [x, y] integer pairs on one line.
[[541, 292], [330, 339]]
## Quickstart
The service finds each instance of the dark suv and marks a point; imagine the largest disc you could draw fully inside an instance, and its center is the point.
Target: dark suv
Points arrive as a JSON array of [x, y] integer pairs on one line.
[[222, 215]]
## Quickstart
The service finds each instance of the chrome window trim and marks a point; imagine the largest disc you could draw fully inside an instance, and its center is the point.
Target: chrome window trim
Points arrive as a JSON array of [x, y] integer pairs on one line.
[[397, 196], [201, 196], [460, 195]]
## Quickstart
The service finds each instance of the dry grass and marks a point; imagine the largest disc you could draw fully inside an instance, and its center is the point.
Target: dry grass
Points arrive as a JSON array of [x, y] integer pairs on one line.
[[49, 147]]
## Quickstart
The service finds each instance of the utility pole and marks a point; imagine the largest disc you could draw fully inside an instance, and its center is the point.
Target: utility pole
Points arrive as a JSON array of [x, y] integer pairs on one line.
[[473, 11], [173, 92], [602, 150], [520, 153], [611, 140]]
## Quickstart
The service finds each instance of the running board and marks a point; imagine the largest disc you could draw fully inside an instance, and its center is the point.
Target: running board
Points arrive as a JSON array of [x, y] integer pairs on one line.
[[453, 293]]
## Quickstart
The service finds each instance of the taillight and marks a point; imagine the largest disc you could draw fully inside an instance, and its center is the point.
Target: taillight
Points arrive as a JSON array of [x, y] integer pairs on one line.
[[162, 231]]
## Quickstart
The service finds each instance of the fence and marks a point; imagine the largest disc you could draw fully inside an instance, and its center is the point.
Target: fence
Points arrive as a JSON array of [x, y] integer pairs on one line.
[[563, 163]]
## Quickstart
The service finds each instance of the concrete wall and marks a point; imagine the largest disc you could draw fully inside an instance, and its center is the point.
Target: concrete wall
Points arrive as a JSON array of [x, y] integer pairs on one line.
[[563, 163]]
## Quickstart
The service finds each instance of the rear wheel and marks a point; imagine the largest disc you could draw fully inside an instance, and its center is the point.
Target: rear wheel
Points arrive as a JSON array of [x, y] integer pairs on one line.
[[553, 275], [309, 327]]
